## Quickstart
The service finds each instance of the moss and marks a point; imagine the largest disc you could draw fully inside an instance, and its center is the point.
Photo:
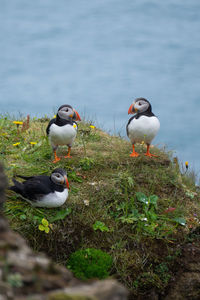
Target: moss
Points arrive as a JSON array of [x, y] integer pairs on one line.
[[90, 263]]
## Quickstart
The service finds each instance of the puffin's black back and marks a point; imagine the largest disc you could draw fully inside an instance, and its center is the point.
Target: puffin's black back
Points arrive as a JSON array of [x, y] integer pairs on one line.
[[35, 187]]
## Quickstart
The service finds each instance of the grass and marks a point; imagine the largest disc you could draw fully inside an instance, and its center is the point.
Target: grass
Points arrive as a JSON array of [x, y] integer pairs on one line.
[[139, 210]]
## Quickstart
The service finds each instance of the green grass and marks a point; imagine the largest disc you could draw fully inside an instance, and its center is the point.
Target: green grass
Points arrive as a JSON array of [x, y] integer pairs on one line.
[[116, 203]]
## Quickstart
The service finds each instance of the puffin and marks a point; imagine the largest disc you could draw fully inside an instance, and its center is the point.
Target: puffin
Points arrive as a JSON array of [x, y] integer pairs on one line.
[[43, 191], [143, 126], [62, 129]]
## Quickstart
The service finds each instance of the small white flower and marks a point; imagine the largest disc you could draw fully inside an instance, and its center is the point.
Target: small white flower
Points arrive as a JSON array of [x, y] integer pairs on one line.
[[86, 202]]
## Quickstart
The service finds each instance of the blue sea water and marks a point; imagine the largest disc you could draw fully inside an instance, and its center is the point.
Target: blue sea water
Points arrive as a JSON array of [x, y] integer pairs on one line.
[[98, 55]]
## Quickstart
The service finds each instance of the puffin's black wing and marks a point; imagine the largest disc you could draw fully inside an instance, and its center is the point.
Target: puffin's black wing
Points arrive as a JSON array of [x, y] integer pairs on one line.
[[129, 121], [25, 177], [34, 188], [17, 187], [50, 123], [35, 177]]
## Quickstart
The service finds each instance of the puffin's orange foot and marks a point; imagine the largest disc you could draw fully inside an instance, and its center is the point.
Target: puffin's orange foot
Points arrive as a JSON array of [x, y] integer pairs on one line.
[[56, 160], [134, 154], [148, 152], [151, 155], [68, 156], [68, 153]]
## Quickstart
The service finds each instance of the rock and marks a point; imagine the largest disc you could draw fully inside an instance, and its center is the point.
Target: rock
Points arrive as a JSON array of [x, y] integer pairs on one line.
[[62, 296], [99, 290], [187, 282]]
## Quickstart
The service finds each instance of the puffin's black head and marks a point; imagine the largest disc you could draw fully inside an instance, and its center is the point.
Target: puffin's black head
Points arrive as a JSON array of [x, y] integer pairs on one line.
[[140, 105], [66, 111], [59, 176]]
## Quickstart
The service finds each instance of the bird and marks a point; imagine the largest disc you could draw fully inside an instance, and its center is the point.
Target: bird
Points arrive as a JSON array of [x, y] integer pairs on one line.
[[62, 129], [143, 126], [43, 191]]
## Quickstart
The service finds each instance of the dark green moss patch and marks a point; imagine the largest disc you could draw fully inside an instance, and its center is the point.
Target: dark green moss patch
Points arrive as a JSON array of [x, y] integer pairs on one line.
[[90, 263]]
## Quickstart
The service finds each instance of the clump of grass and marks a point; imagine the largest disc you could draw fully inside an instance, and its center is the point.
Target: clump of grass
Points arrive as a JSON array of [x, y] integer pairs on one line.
[[86, 163], [137, 210]]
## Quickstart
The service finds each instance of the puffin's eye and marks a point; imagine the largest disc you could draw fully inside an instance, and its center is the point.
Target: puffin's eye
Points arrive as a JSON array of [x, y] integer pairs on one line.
[[66, 109], [139, 103]]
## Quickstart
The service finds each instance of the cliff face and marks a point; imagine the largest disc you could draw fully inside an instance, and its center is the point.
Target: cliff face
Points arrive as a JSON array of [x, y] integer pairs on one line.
[[24, 274], [187, 281]]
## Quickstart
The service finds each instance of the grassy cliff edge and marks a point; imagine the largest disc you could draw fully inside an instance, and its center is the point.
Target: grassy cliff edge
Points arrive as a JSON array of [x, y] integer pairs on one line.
[[139, 210]]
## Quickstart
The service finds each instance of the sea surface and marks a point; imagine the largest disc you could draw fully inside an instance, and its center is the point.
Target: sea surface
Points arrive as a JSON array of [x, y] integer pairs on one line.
[[98, 56]]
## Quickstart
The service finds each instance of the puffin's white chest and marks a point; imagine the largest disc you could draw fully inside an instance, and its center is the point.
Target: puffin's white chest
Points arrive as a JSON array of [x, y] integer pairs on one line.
[[55, 199], [143, 129], [62, 135]]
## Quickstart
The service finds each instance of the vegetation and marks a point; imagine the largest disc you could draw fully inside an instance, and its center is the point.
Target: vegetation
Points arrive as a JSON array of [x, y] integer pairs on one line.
[[138, 210], [90, 263]]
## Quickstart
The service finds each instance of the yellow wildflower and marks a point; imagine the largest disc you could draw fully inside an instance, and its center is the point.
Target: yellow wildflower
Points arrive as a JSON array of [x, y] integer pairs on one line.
[[92, 126], [18, 122], [33, 143], [16, 144], [186, 164], [44, 226], [74, 126]]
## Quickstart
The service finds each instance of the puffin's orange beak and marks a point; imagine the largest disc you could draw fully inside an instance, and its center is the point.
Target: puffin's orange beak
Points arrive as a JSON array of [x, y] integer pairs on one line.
[[78, 118], [67, 182], [132, 109]]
